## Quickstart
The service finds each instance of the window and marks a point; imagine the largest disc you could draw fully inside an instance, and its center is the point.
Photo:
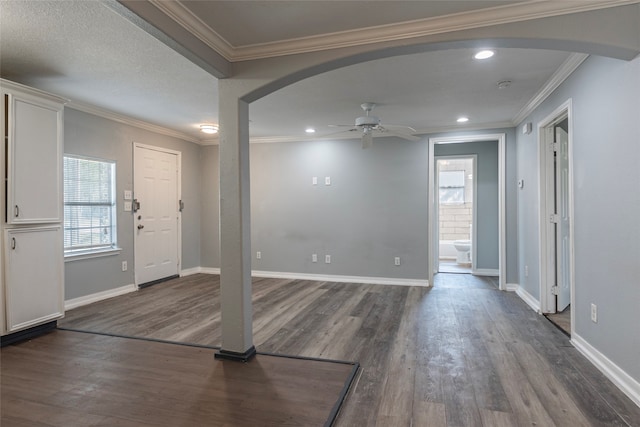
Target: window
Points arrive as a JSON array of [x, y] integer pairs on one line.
[[89, 205], [451, 185]]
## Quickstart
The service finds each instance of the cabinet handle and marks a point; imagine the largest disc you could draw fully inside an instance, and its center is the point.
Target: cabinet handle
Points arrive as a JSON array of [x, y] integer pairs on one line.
[[17, 211], [13, 243]]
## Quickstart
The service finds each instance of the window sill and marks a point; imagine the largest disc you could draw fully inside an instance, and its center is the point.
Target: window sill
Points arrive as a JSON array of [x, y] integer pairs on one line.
[[92, 254]]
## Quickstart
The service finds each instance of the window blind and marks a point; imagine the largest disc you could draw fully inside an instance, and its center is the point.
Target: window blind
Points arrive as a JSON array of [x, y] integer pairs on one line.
[[89, 204]]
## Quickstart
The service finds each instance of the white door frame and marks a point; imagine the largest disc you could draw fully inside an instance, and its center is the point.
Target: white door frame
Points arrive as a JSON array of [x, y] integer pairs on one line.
[[474, 218], [433, 225], [179, 183], [545, 196]]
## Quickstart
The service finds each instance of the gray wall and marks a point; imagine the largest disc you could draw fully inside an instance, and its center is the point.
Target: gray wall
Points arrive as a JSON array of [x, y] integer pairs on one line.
[[89, 135], [606, 143], [487, 208], [374, 210], [210, 215]]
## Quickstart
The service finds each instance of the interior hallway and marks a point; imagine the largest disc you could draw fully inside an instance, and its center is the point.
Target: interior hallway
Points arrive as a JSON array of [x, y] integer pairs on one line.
[[460, 353]]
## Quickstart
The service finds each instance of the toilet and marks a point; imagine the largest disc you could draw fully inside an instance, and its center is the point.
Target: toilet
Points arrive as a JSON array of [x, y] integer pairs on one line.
[[463, 251]]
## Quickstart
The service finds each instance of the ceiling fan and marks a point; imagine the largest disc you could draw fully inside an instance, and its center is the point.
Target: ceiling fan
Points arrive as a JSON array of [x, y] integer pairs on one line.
[[368, 124]]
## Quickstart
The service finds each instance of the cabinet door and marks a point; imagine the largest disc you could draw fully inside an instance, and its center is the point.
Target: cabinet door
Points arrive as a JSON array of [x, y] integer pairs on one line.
[[34, 161], [34, 287]]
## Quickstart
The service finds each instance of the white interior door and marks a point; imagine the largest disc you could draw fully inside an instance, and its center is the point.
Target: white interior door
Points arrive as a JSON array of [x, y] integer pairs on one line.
[[563, 243], [157, 217]]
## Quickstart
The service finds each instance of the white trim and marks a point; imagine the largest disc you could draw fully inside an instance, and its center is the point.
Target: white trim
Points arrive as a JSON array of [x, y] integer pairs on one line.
[[69, 257], [561, 74], [338, 278], [98, 296], [486, 272], [432, 240], [512, 287], [377, 34], [190, 271], [316, 277], [619, 377], [141, 124], [528, 298]]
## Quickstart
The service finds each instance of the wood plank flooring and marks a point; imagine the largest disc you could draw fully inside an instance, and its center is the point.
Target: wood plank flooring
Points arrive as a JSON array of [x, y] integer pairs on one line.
[[69, 378], [562, 320], [459, 354]]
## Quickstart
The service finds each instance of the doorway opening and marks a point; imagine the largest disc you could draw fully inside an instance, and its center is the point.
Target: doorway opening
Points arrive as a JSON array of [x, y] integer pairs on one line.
[[556, 213], [456, 213], [497, 199]]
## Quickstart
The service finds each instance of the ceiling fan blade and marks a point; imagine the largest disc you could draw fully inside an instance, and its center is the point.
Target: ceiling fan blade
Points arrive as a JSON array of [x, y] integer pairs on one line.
[[367, 140], [408, 128], [340, 126], [402, 135]]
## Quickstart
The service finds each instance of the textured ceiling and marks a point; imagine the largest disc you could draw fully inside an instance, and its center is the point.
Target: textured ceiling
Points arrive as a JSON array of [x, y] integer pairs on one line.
[[262, 21], [84, 51]]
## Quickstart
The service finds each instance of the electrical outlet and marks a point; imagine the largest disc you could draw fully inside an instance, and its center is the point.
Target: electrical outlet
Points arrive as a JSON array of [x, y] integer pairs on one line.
[[526, 271], [258, 255], [327, 180], [314, 257], [314, 180], [124, 265], [327, 259], [127, 206], [397, 260], [594, 313]]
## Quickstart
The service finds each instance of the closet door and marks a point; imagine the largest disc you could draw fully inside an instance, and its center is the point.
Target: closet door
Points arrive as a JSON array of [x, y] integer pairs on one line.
[[34, 160], [34, 288]]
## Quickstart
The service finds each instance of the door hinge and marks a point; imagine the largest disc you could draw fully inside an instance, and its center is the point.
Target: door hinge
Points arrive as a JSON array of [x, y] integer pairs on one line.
[[554, 147], [180, 205], [553, 218], [554, 290]]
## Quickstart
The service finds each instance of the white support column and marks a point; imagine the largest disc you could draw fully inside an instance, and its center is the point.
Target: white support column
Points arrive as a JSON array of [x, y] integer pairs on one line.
[[235, 226]]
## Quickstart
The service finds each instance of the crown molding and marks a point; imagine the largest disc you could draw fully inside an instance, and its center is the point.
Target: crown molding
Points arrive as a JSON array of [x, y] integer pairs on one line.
[[120, 118], [533, 9], [562, 73], [190, 22]]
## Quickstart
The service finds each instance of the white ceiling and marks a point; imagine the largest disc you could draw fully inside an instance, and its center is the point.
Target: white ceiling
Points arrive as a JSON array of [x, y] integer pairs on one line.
[[84, 51]]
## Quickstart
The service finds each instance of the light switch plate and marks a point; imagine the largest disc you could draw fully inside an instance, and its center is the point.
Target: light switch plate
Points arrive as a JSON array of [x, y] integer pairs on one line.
[[128, 195], [127, 206]]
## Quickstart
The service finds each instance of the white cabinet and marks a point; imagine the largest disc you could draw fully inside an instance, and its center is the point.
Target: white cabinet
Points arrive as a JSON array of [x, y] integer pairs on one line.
[[34, 152], [34, 288], [31, 253]]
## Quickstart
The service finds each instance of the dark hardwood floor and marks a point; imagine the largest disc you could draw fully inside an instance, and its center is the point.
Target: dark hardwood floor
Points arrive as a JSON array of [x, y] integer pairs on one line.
[[70, 379], [459, 354]]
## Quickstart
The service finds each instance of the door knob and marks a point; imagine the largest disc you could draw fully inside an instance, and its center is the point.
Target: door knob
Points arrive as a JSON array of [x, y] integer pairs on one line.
[[140, 226]]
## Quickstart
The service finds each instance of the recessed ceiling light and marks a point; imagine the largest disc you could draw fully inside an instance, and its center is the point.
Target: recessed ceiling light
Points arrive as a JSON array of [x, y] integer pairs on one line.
[[484, 54], [462, 119], [310, 130], [209, 128]]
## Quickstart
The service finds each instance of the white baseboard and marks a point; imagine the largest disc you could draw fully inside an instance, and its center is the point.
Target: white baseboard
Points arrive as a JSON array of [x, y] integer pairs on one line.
[[196, 270], [337, 278], [528, 298], [620, 378], [98, 296], [512, 287], [317, 277], [486, 272]]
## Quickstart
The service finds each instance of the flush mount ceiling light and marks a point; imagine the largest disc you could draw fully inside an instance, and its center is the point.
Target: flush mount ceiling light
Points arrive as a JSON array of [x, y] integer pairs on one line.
[[209, 128], [310, 130], [462, 119], [484, 54], [503, 84]]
